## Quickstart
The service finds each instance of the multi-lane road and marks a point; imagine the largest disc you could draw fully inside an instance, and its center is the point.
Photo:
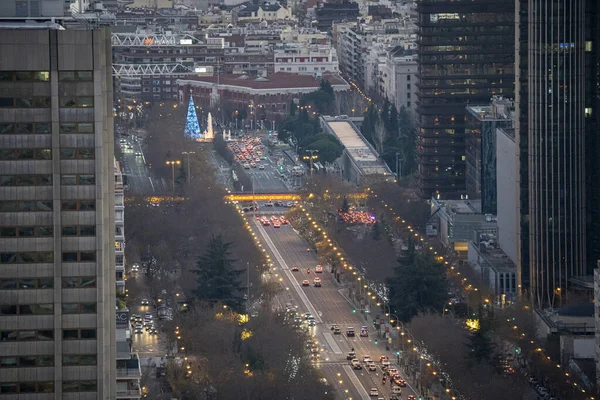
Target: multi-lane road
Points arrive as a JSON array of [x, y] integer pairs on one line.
[[330, 306], [133, 164]]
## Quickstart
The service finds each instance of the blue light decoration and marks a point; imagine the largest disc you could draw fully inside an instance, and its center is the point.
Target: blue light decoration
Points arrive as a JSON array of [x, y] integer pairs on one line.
[[192, 127]]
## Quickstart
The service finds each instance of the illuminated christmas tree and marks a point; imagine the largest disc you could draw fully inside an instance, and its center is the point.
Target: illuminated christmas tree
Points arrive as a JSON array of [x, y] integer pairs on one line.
[[192, 127]]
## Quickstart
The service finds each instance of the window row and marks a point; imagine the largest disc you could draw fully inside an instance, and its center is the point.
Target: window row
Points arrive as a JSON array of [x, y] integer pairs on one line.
[[27, 309], [26, 283], [79, 308], [26, 180], [26, 336], [76, 101], [79, 256], [79, 359], [25, 154], [79, 334], [27, 257], [26, 231], [77, 179], [80, 230], [25, 76], [26, 361], [38, 128], [25, 205], [78, 205], [81, 76], [27, 387], [79, 282], [81, 153], [25, 102], [80, 127]]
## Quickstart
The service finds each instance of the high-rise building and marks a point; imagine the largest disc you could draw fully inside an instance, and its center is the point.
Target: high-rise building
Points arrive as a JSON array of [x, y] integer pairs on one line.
[[555, 114], [57, 210], [465, 56]]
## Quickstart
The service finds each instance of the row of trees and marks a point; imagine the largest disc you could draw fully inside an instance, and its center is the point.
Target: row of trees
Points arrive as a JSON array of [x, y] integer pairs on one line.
[[393, 135]]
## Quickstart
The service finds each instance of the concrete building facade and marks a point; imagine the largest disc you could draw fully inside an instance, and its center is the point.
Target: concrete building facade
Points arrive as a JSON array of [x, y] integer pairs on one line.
[[57, 204]]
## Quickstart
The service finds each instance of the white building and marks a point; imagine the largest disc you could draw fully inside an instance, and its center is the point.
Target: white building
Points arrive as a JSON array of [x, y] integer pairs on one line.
[[303, 35], [306, 60], [400, 86]]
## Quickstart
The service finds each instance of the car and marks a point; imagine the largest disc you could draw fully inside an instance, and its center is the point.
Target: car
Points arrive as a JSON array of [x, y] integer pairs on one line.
[[392, 372], [253, 164], [269, 204], [351, 355], [385, 363], [295, 268], [356, 364], [311, 322], [396, 390], [138, 153], [350, 332], [319, 269], [307, 315], [246, 166], [367, 359], [276, 224], [279, 203], [145, 302], [153, 331], [400, 382], [289, 204], [382, 358], [337, 331], [364, 331], [135, 267], [317, 282], [305, 282], [297, 319], [411, 397], [139, 328], [265, 222], [148, 315], [372, 366], [149, 327], [374, 392], [283, 221], [260, 166]]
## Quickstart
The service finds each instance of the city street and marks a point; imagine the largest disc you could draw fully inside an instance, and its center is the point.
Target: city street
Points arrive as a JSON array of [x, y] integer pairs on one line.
[[329, 306], [134, 166]]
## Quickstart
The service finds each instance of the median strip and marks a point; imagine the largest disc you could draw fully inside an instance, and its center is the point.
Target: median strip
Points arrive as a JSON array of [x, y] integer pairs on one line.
[[331, 341], [354, 379]]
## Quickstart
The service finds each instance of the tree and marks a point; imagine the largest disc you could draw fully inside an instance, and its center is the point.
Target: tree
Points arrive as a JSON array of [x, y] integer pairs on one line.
[[345, 205], [293, 108], [393, 126], [379, 134], [217, 279], [327, 145], [418, 285], [408, 139], [480, 345], [326, 87], [376, 230]]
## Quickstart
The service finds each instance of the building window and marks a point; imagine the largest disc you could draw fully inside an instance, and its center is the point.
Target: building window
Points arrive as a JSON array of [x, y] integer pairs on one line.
[[24, 128], [75, 76], [27, 387], [26, 283], [83, 230], [79, 308], [81, 359], [79, 386], [78, 282], [27, 309], [31, 257], [25, 154], [26, 180], [78, 205], [79, 256], [24, 206], [25, 76], [79, 334], [77, 180], [73, 128], [80, 153], [26, 231], [76, 101]]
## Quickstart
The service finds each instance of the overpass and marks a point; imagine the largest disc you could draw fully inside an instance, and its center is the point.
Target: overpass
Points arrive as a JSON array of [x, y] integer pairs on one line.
[[232, 196]]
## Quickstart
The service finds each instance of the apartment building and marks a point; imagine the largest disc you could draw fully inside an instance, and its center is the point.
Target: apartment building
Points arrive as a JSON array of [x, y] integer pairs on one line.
[[57, 204], [305, 59]]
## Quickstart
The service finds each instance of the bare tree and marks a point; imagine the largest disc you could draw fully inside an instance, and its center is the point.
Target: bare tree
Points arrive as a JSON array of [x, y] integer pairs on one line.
[[379, 135]]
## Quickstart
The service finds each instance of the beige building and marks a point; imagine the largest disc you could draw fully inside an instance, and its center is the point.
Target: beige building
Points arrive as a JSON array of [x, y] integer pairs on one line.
[[57, 210]]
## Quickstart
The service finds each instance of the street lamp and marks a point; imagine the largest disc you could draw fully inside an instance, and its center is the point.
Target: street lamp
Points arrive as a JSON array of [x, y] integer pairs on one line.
[[187, 153], [172, 163], [311, 158]]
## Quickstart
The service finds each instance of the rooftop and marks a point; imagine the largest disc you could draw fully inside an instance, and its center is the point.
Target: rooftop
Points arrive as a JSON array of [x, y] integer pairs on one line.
[[278, 80], [461, 206]]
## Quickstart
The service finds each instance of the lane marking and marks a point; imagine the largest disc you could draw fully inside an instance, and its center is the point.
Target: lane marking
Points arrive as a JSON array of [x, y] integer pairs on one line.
[[331, 341], [151, 184], [357, 385], [288, 272]]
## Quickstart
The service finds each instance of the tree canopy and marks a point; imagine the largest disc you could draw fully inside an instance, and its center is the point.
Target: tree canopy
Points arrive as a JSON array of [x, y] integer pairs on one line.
[[217, 279], [418, 285]]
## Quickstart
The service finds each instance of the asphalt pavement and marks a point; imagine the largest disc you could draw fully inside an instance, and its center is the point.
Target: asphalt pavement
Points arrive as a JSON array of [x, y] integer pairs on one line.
[[133, 164], [329, 306]]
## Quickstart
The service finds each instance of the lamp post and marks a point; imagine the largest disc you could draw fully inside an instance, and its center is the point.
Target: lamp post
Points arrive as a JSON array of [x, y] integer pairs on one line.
[[187, 153], [311, 158], [172, 163]]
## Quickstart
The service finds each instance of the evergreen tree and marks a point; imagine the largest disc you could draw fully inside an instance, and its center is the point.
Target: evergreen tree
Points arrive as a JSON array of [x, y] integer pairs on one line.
[[293, 108], [345, 205], [481, 345], [327, 88], [418, 285], [376, 230], [217, 279], [393, 125], [385, 114]]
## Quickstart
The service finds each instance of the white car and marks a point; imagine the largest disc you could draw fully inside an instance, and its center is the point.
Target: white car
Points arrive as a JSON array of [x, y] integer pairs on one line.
[[135, 267], [367, 359], [396, 390], [260, 166], [374, 392], [372, 366], [145, 302]]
